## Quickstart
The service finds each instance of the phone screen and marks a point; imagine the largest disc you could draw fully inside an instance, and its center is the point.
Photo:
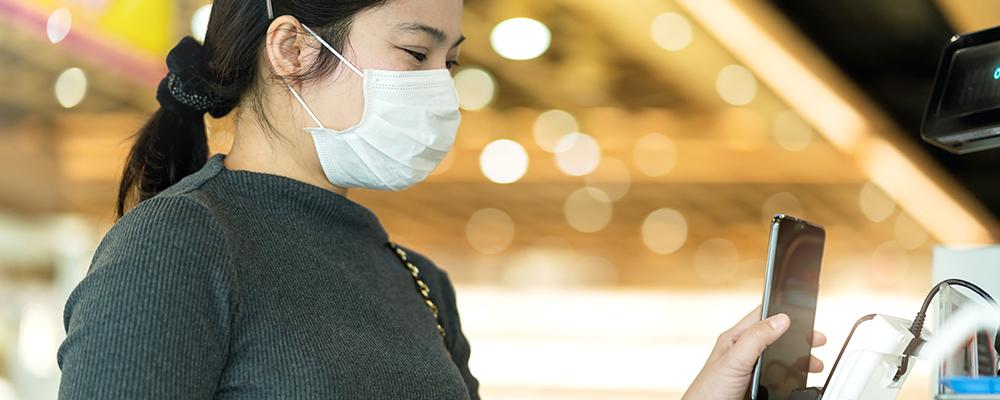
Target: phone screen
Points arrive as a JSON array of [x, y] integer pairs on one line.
[[791, 287]]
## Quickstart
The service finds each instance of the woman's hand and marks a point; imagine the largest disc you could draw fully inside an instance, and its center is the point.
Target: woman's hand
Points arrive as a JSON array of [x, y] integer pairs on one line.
[[727, 373]]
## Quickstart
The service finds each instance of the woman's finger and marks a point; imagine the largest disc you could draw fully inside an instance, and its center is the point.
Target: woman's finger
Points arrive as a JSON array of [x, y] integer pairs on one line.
[[748, 320], [729, 337], [742, 356], [819, 339], [815, 365]]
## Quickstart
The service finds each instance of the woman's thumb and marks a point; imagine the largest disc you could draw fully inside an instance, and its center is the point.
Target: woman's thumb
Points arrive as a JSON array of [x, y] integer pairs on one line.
[[747, 349]]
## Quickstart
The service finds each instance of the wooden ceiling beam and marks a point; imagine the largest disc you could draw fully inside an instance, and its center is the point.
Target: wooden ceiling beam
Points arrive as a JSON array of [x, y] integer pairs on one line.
[[692, 70], [777, 52]]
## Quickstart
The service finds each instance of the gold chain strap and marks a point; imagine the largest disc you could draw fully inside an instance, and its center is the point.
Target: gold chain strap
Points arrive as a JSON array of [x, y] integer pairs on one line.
[[425, 291]]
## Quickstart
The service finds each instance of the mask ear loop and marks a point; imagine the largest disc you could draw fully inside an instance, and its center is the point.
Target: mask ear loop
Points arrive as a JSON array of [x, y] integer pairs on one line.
[[306, 107], [336, 53], [299, 98]]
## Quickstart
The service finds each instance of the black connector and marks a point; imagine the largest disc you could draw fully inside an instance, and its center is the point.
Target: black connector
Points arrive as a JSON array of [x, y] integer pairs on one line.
[[917, 327]]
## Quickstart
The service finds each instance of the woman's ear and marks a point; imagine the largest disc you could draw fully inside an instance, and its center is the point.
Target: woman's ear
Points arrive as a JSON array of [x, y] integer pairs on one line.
[[286, 46]]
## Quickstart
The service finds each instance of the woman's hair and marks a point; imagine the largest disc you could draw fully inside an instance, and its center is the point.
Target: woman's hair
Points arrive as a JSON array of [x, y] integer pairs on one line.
[[172, 145]]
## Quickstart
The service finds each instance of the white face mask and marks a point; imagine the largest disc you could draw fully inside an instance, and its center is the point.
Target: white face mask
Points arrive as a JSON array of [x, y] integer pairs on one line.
[[409, 124]]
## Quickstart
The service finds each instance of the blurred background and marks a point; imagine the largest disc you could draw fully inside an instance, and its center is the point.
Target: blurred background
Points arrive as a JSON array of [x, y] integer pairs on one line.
[[604, 214]]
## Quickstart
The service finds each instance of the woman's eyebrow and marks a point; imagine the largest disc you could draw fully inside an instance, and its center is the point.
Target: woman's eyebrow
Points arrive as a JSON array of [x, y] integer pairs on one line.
[[436, 34]]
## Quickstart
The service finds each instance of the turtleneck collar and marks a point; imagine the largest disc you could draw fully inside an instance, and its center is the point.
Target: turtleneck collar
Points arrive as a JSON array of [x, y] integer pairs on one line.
[[298, 199]]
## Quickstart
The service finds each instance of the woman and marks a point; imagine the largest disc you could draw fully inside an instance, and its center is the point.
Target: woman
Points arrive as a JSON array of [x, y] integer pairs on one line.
[[252, 275]]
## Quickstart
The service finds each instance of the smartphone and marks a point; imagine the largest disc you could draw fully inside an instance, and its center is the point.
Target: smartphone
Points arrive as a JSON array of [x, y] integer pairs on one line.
[[791, 286]]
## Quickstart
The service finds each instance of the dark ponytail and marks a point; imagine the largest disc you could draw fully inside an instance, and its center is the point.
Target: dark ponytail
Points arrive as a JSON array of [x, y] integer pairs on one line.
[[216, 77]]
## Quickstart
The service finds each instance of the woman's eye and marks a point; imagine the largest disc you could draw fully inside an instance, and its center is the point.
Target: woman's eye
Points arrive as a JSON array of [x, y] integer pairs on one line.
[[452, 64], [418, 56]]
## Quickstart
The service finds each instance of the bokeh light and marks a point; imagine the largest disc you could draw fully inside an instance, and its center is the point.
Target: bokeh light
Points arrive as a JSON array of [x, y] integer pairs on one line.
[[490, 231], [520, 39], [736, 85], [552, 125], [875, 204], [71, 87], [37, 340], [655, 154], [476, 88], [791, 132], [503, 161], [664, 231], [58, 25], [588, 210], [578, 154], [716, 261], [671, 31], [611, 177], [199, 22], [538, 269]]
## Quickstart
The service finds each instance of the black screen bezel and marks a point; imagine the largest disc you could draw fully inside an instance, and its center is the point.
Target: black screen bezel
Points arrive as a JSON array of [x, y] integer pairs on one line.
[[934, 126]]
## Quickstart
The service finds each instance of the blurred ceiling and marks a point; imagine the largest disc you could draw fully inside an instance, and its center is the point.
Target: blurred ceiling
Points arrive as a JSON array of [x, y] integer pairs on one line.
[[891, 50], [603, 67]]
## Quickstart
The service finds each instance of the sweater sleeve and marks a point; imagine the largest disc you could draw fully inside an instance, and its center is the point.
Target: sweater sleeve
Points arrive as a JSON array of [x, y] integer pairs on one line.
[[151, 320], [457, 342]]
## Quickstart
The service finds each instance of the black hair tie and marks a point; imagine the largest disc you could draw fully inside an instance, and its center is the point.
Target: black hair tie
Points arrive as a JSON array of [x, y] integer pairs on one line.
[[189, 89]]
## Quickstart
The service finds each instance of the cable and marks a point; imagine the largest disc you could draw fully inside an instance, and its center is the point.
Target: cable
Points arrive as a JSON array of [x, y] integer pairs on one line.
[[836, 363], [918, 322]]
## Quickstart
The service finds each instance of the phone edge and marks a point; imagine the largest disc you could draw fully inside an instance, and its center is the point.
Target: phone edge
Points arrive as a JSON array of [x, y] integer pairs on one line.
[[768, 271]]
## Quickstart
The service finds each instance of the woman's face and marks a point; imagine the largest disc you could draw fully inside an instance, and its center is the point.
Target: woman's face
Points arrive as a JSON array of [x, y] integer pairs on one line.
[[402, 35]]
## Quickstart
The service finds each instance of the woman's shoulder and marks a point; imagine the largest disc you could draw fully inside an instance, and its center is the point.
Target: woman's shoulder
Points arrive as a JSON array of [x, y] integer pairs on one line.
[[168, 228], [159, 275], [167, 215], [164, 250], [183, 213]]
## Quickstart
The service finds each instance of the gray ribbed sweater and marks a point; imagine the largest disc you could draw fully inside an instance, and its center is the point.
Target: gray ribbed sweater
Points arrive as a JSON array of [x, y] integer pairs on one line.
[[243, 285]]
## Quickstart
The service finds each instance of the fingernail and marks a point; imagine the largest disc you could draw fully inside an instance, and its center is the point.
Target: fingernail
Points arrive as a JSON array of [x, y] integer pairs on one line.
[[778, 322]]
